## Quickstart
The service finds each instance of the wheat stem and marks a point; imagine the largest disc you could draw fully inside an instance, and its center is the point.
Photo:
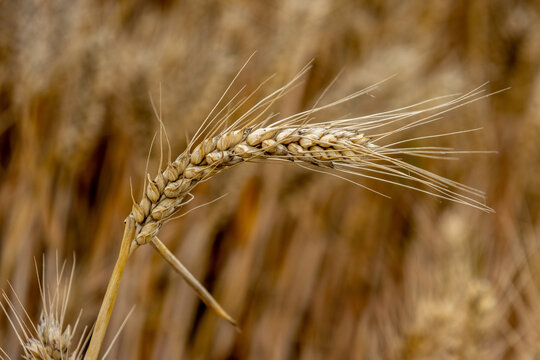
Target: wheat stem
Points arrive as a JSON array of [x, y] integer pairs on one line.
[[112, 290]]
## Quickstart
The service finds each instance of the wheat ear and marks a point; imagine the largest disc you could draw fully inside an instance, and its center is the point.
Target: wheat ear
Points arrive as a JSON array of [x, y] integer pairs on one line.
[[51, 338], [353, 146]]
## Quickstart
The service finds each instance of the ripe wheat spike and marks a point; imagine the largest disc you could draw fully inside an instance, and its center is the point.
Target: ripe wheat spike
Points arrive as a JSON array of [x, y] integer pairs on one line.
[[353, 146]]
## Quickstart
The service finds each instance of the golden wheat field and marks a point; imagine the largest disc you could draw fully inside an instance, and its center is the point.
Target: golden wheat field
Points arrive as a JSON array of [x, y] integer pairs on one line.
[[329, 244]]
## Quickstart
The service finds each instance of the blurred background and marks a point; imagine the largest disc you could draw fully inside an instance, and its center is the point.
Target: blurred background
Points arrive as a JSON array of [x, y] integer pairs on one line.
[[311, 266]]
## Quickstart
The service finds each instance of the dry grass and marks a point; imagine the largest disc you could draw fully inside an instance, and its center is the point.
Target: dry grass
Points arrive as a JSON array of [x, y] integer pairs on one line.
[[309, 265]]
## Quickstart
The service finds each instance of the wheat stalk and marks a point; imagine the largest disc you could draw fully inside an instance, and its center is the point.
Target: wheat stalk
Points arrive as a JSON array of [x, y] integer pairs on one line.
[[353, 146]]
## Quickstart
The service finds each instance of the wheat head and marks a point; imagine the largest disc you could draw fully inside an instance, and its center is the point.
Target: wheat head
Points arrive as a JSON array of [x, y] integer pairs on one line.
[[352, 146], [51, 338]]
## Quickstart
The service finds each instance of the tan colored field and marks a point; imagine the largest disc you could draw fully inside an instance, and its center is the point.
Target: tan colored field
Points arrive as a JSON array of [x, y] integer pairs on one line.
[[310, 265]]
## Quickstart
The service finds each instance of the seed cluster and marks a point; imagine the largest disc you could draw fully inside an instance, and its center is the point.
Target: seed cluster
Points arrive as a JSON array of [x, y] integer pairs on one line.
[[51, 342], [315, 145]]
